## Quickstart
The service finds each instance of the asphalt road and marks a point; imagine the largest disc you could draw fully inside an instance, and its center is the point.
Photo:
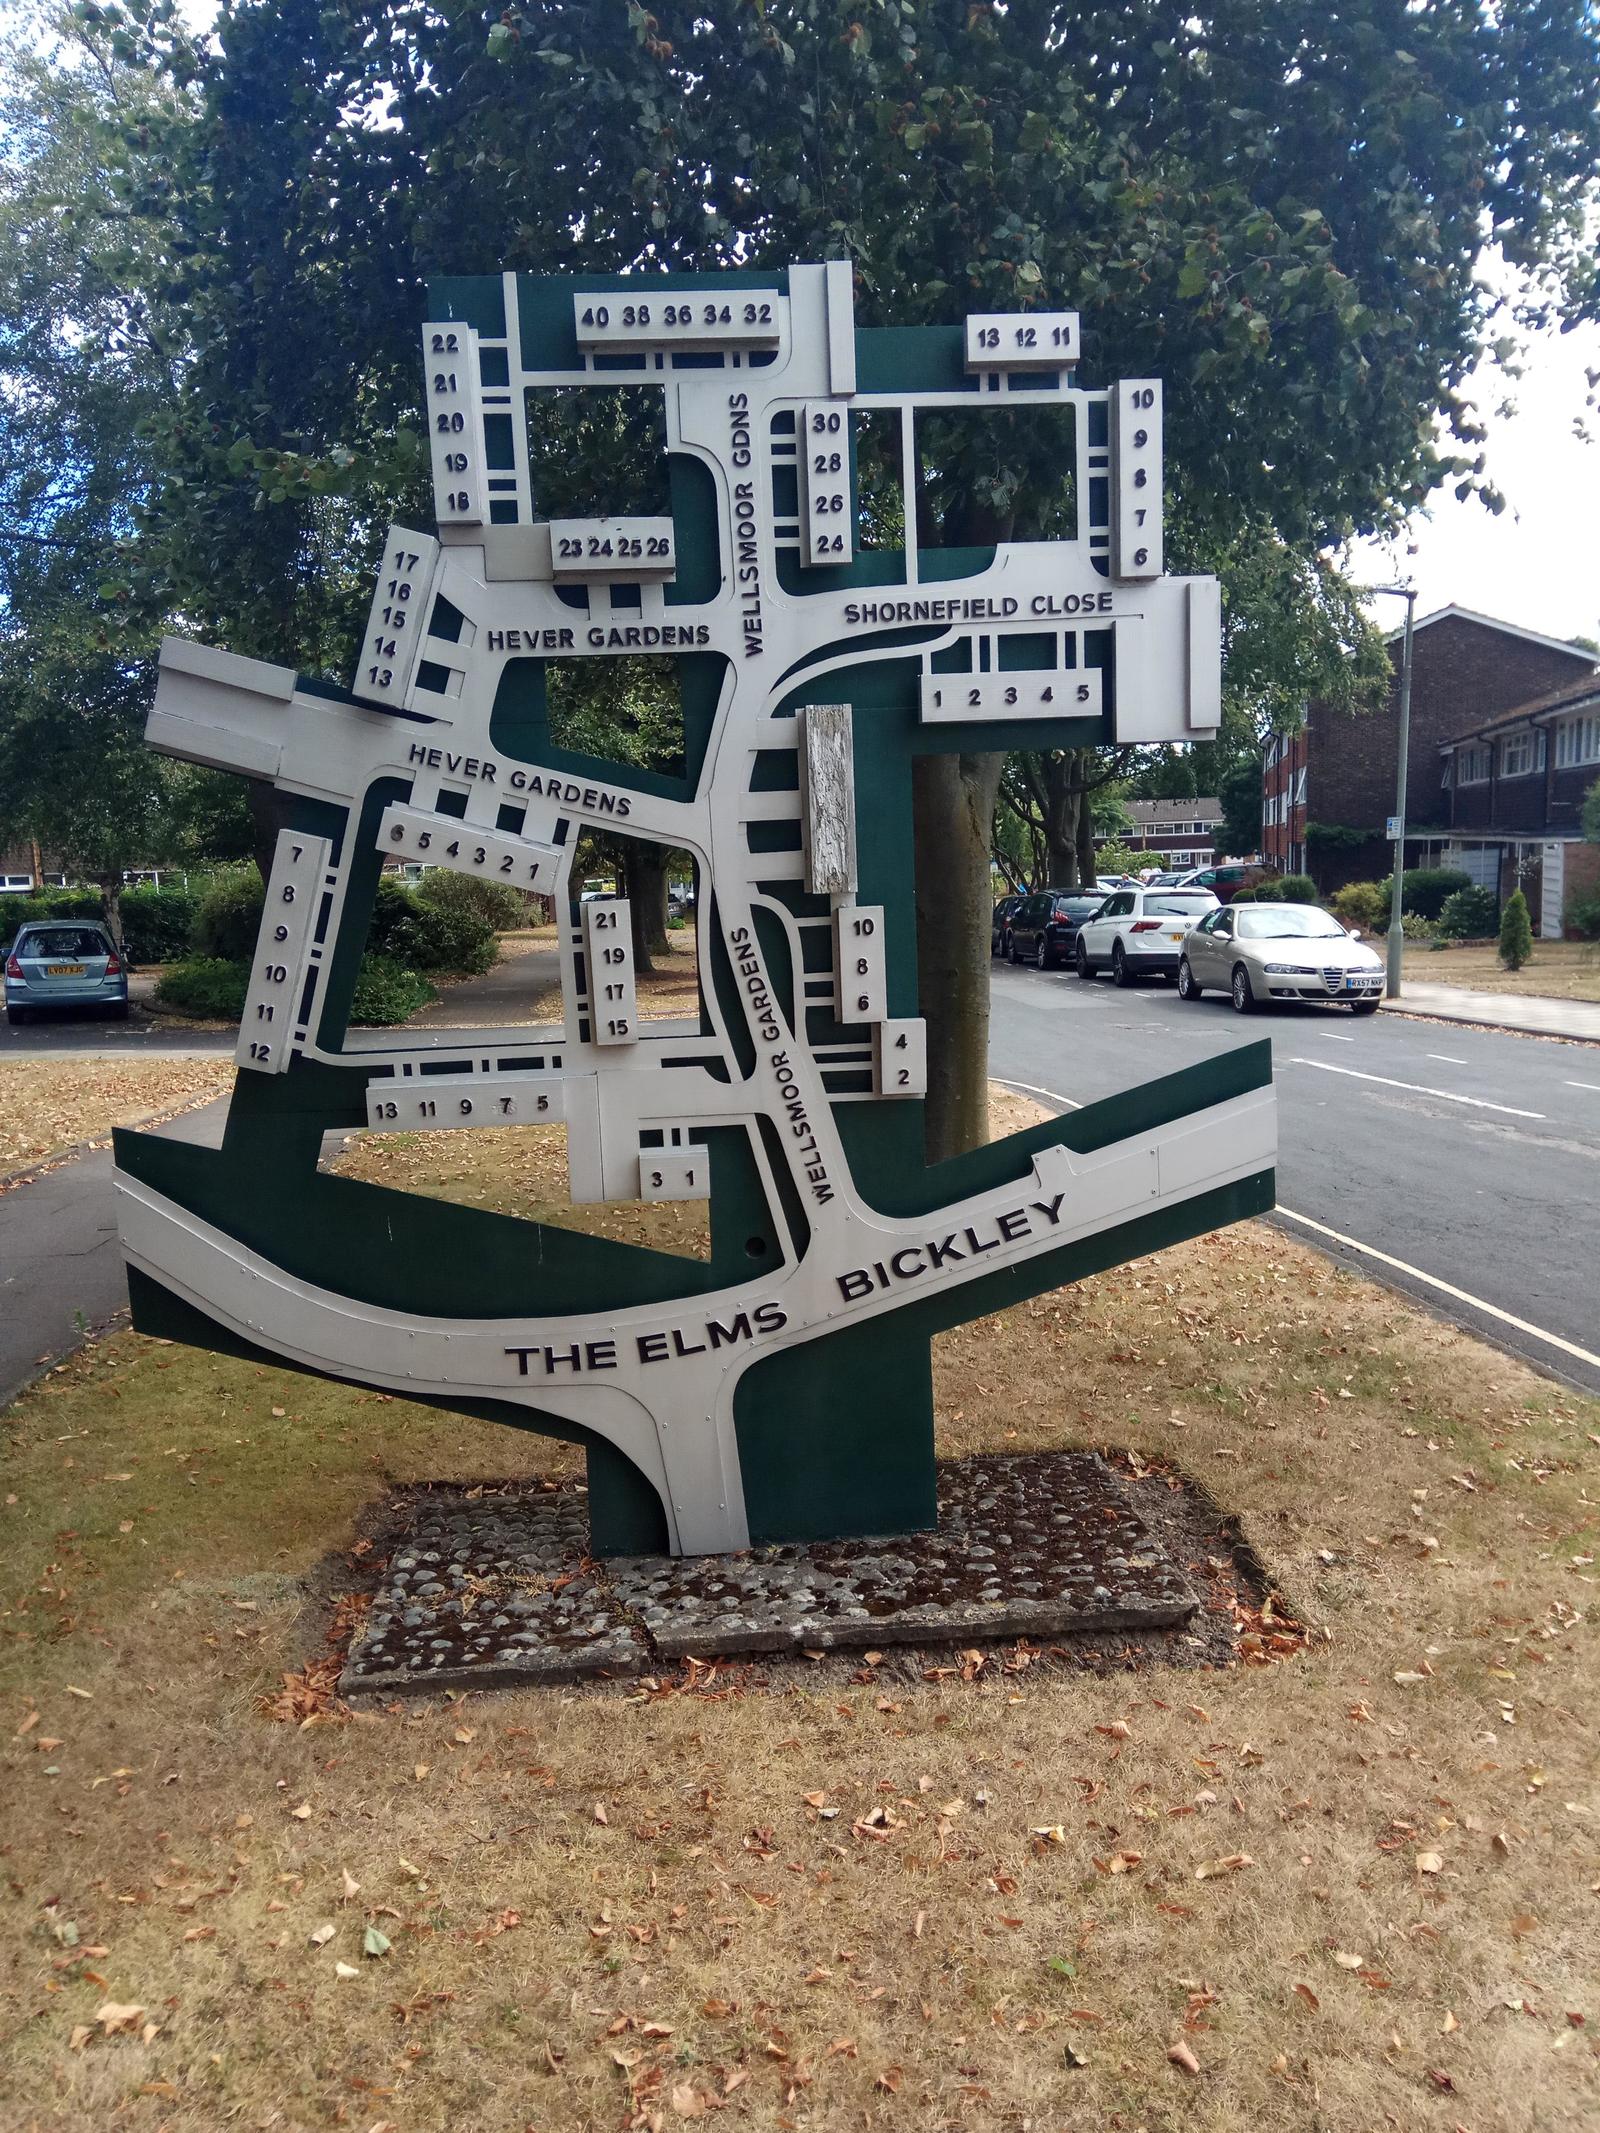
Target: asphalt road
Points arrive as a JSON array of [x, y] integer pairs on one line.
[[1470, 1157], [1457, 1164]]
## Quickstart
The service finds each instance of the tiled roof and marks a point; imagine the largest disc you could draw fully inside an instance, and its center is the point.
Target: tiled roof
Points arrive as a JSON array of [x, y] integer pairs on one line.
[[1155, 814], [1571, 696]]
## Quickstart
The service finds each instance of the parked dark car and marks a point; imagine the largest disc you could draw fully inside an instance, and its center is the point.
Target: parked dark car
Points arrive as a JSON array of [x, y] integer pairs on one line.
[[1044, 927], [61, 962], [1225, 882], [1000, 924]]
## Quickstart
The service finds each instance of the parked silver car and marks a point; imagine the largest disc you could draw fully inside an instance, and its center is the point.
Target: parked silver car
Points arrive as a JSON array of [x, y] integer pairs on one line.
[[1256, 952], [64, 962]]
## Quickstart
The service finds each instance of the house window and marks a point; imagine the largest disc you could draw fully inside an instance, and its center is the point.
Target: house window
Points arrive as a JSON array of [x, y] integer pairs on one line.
[[1578, 741], [1473, 765], [1521, 754]]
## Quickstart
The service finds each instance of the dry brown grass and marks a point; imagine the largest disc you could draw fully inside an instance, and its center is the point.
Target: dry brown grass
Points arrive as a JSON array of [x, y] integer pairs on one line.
[[1557, 970], [48, 1104], [608, 1905]]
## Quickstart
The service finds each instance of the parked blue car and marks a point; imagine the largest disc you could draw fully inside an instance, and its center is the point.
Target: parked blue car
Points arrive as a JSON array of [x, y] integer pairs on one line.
[[64, 962]]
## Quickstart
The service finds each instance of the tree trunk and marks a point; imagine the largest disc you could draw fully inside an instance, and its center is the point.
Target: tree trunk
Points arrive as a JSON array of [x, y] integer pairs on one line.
[[953, 806], [1063, 804], [111, 904], [1088, 875], [267, 816], [647, 891]]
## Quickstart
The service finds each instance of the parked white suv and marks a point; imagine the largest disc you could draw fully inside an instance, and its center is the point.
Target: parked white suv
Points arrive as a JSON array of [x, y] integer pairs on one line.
[[1139, 932]]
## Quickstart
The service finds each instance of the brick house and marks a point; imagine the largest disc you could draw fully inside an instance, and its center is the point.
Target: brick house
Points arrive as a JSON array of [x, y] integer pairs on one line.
[[1515, 786], [1337, 772], [1175, 833]]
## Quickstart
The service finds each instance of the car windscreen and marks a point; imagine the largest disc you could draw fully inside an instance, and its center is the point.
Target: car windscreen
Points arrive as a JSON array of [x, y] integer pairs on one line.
[[1078, 906], [1177, 906], [63, 941], [1288, 922]]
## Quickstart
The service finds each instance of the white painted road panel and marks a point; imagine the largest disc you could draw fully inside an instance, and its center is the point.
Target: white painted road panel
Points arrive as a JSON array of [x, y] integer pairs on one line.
[[443, 1103]]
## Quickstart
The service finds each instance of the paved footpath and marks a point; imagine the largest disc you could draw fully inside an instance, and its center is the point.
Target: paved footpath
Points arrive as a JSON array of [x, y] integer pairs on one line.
[[1532, 1013], [61, 1269]]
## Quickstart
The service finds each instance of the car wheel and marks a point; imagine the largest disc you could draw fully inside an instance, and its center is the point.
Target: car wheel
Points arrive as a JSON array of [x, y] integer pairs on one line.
[[1081, 962], [1120, 973], [1244, 999], [1011, 954], [118, 1010], [1187, 988], [16, 1016], [1364, 1007], [1041, 954]]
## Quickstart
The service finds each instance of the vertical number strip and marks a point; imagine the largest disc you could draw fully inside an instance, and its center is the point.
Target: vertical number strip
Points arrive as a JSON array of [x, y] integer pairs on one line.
[[283, 947], [398, 619], [860, 970], [1136, 533], [827, 521], [608, 958], [453, 405]]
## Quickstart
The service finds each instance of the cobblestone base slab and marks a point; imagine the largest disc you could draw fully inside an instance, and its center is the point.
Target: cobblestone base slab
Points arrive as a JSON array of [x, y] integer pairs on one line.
[[493, 1585]]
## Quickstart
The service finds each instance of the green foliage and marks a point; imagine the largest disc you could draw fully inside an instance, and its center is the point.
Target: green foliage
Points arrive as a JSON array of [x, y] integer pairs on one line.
[[1516, 931], [1582, 915], [445, 933], [1423, 889], [1469, 914], [1414, 927], [1335, 836], [1361, 903], [1589, 819], [388, 930], [157, 924], [19, 911], [387, 992], [210, 987], [229, 917], [1244, 896], [1294, 889], [1119, 859], [499, 907]]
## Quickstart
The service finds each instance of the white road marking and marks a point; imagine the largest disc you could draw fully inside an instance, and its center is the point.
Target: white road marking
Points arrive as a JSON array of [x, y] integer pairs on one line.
[[1595, 1085], [1446, 1059], [1446, 1288], [1334, 1037], [1417, 1088], [1032, 1091]]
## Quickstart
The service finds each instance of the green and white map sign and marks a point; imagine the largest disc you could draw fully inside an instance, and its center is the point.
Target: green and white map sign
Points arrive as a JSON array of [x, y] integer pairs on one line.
[[781, 1387]]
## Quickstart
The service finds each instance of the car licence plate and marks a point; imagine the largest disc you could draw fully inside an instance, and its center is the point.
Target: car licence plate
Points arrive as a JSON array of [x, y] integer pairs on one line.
[[63, 970], [1175, 936]]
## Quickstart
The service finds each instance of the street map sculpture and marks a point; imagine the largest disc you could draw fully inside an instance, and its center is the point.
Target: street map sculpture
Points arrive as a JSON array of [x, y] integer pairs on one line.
[[779, 1389]]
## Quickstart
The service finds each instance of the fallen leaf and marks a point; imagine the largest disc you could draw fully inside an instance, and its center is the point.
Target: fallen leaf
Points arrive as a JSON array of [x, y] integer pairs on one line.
[[1449, 2026], [1180, 2055], [1308, 1996], [687, 2101], [345, 1970], [374, 1943], [1430, 1863], [1232, 1864], [302, 1813], [352, 1887], [1346, 1961], [323, 1934], [889, 2081], [600, 1814], [112, 2015]]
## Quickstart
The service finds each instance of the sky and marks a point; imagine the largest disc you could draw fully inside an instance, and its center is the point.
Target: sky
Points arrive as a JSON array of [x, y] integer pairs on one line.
[[1538, 563]]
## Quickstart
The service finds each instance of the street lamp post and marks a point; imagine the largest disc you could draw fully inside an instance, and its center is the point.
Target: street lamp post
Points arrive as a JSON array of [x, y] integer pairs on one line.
[[1397, 937]]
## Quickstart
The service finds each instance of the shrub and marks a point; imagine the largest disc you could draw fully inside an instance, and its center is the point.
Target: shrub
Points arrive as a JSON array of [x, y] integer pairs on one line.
[[387, 992], [1582, 915], [1424, 889], [1414, 927], [1294, 889], [1362, 903], [229, 917], [157, 923], [19, 911], [391, 915], [498, 906], [1244, 896], [209, 986], [1516, 932], [1469, 914]]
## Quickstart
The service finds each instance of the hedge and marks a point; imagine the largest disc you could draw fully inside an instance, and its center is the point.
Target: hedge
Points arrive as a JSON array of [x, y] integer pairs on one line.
[[213, 988]]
